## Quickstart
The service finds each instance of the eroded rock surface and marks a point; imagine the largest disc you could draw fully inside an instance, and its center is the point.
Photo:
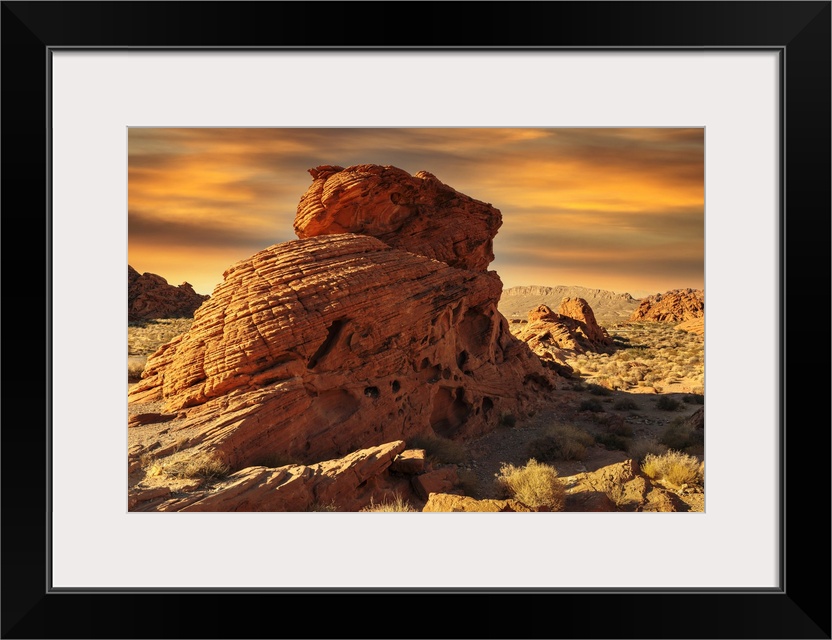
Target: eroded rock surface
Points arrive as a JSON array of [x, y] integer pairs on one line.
[[316, 347], [416, 213], [149, 296], [556, 336], [618, 487], [679, 305]]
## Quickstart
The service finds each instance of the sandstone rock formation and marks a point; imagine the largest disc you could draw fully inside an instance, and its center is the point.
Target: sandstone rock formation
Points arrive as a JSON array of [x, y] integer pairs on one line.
[[609, 307], [618, 487], [556, 336], [150, 296], [348, 484], [679, 305], [416, 213], [315, 348]]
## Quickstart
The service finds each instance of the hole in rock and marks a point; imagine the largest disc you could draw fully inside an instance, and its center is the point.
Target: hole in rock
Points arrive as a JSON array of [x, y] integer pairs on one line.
[[449, 411], [396, 386], [371, 392]]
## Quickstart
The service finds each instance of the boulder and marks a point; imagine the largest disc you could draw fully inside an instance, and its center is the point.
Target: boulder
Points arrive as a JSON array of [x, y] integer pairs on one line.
[[313, 348], [336, 483], [415, 213], [439, 481], [554, 337]]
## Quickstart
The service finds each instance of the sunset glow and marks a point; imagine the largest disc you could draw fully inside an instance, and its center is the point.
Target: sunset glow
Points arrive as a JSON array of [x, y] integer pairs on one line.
[[617, 209]]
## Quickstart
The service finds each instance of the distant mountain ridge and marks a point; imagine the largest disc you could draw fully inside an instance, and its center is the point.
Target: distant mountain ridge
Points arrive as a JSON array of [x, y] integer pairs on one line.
[[609, 307]]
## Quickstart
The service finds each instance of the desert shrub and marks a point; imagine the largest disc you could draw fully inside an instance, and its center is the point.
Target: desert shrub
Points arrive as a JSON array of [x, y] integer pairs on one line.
[[535, 485], [625, 404], [591, 405], [598, 390], [394, 504], [135, 367], [693, 398], [202, 465], [440, 450], [680, 436], [206, 466], [468, 482], [674, 467], [638, 449], [666, 403], [611, 441], [319, 506], [560, 442]]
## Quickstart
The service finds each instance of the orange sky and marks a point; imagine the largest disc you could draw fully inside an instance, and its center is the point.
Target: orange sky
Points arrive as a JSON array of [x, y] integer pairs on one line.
[[617, 209]]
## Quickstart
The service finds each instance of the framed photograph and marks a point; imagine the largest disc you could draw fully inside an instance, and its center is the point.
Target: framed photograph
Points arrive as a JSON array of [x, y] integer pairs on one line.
[[95, 91]]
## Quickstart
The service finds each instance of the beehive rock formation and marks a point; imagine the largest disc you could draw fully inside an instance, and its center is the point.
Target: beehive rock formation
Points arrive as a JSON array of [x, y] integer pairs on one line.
[[679, 305], [314, 348], [416, 213], [150, 296], [556, 336]]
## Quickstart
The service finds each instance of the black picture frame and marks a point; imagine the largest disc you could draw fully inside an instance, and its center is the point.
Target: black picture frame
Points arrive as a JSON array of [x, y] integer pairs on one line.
[[799, 31]]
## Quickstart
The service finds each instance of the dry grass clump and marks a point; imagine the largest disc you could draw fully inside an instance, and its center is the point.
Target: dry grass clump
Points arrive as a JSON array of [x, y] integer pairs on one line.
[[666, 403], [203, 465], [535, 485], [638, 449], [560, 442], [135, 367], [681, 436], [591, 405], [625, 404], [440, 450], [396, 504], [674, 467]]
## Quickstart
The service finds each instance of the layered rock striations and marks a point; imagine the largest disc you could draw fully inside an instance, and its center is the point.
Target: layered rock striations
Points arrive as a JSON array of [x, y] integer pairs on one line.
[[679, 305], [416, 213], [318, 347], [149, 296]]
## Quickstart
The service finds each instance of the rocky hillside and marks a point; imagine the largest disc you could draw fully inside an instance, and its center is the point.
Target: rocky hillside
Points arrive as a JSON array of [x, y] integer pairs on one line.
[[678, 305], [609, 307], [149, 296], [317, 348]]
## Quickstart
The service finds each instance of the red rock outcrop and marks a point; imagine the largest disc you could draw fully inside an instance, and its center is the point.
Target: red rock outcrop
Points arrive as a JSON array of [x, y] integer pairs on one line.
[[679, 305], [315, 348], [348, 483], [556, 336], [416, 213], [618, 487], [150, 296]]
